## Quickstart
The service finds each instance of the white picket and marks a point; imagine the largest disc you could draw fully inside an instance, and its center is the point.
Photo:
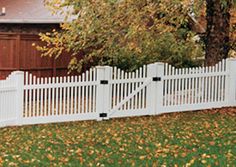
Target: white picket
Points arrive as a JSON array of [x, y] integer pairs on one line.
[[60, 97], [64, 96], [79, 96], [38, 99]]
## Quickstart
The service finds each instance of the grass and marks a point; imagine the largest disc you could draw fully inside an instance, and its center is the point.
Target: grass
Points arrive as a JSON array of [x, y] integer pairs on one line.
[[204, 138]]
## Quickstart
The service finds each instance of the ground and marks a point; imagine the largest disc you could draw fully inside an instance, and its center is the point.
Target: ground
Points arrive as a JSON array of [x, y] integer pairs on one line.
[[202, 138]]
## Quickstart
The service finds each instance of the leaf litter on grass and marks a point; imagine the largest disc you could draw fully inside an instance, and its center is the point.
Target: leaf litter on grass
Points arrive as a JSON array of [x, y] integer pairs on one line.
[[204, 138]]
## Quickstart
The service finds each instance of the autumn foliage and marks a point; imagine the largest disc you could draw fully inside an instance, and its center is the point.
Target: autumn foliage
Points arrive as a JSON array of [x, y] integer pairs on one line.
[[127, 33]]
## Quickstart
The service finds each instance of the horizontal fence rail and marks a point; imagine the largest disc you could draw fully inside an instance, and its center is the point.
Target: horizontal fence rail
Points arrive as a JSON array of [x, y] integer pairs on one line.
[[106, 92]]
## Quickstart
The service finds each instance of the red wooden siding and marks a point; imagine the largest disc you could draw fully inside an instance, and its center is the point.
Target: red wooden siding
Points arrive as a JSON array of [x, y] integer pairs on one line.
[[17, 53]]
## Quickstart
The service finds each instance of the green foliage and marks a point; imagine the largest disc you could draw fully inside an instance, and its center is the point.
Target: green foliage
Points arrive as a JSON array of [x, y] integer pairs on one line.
[[227, 4], [127, 33]]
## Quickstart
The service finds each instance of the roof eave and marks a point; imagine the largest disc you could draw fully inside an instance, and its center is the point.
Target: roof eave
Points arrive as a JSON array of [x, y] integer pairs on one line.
[[24, 21]]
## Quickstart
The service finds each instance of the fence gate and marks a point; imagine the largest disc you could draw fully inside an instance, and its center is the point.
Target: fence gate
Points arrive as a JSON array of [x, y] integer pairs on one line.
[[134, 93], [128, 94]]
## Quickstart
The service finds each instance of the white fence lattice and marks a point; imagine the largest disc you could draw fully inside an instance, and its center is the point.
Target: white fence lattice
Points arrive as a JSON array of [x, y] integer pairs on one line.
[[105, 92]]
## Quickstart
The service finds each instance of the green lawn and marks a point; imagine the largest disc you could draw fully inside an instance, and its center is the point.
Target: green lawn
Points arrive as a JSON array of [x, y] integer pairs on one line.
[[204, 138]]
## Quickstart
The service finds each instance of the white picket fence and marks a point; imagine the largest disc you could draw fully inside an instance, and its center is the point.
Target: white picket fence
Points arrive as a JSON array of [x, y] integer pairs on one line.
[[106, 92]]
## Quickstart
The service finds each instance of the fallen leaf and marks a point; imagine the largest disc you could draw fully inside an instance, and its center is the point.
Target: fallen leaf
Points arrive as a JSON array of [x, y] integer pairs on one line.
[[140, 147], [142, 157], [1, 161], [203, 161], [50, 157], [79, 152], [81, 159], [183, 155]]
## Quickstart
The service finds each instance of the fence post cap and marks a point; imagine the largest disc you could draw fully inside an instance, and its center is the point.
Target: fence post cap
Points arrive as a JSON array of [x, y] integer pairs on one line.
[[231, 59], [103, 67], [151, 64], [17, 72], [159, 63]]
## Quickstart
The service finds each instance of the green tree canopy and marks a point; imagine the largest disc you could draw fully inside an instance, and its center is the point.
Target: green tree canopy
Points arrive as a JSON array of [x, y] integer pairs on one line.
[[125, 33]]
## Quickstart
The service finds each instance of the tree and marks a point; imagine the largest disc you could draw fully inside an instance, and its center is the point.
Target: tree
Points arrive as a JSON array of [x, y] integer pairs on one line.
[[217, 40], [125, 33]]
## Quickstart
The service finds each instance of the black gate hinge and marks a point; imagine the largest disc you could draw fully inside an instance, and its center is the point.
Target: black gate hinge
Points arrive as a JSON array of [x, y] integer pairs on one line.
[[156, 79], [104, 82], [103, 115]]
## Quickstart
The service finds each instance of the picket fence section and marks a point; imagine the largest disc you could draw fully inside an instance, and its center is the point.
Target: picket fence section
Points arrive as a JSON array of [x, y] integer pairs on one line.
[[59, 98], [106, 92], [11, 101], [194, 88]]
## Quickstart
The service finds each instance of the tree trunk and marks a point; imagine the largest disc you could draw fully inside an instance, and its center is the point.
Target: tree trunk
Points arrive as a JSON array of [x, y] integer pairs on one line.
[[217, 32]]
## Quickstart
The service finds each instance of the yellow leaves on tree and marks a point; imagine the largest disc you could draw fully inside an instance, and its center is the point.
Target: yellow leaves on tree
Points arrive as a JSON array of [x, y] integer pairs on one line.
[[1, 161], [125, 33]]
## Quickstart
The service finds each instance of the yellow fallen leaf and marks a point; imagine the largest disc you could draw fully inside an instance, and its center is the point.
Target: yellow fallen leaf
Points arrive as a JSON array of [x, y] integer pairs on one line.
[[91, 152], [203, 161], [107, 141], [64, 160], [204, 155], [26, 161], [140, 147], [192, 161], [207, 125], [81, 160], [50, 157], [142, 157], [122, 149], [1, 161], [79, 152], [216, 124], [183, 155]]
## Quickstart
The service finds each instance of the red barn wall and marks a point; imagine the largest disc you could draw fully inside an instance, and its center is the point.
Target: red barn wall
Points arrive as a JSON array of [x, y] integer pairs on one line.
[[17, 53]]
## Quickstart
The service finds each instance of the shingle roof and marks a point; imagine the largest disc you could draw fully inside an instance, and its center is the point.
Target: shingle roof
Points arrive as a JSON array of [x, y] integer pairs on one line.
[[27, 11]]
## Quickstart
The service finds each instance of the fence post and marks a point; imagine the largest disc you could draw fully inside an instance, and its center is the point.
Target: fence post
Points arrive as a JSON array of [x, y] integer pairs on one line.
[[151, 89], [231, 82], [160, 88], [103, 101], [18, 77], [155, 89]]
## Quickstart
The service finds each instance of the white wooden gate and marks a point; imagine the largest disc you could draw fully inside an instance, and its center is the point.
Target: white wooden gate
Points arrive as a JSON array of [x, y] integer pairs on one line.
[[128, 95]]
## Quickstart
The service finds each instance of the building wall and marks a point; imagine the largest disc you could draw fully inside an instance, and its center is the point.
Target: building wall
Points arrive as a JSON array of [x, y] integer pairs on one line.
[[27, 28], [17, 52]]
